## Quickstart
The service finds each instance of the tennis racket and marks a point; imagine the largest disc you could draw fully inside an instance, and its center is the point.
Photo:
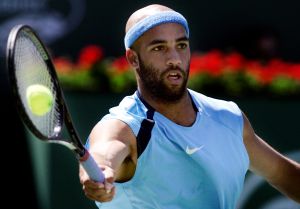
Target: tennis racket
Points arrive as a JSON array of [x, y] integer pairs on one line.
[[29, 64]]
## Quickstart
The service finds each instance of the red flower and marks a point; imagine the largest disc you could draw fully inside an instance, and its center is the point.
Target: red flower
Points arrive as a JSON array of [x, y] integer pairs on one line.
[[120, 64], [273, 69], [89, 55], [294, 71], [234, 61], [63, 65], [254, 68], [268, 72], [267, 75], [211, 63], [196, 64]]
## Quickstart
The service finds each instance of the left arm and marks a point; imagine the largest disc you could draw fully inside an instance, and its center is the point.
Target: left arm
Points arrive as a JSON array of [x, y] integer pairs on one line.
[[280, 171]]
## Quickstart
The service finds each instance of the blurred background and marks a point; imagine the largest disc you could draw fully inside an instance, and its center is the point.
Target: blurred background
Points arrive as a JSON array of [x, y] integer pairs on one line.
[[246, 51]]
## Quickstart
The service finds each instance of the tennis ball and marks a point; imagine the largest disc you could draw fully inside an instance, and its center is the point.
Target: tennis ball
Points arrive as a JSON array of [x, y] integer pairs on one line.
[[39, 99]]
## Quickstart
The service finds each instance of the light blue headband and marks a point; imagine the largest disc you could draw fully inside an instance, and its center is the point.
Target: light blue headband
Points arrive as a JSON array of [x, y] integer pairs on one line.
[[151, 21]]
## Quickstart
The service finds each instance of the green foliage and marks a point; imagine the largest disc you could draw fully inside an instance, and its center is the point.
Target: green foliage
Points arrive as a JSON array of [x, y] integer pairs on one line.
[[211, 73]]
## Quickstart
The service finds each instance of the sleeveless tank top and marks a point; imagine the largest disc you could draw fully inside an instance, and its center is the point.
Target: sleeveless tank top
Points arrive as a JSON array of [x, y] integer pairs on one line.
[[202, 166]]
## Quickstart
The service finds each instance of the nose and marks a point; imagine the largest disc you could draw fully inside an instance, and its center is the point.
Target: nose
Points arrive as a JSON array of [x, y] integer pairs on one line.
[[173, 58]]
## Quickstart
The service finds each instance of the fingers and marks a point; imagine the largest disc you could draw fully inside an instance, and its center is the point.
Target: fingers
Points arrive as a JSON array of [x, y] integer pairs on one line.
[[108, 187], [82, 175], [97, 191]]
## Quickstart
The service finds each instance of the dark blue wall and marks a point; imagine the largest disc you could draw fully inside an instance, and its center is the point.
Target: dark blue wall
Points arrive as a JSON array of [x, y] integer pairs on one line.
[[68, 25]]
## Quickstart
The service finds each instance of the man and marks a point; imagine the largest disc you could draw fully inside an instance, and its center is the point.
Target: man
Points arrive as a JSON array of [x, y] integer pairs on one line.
[[167, 146]]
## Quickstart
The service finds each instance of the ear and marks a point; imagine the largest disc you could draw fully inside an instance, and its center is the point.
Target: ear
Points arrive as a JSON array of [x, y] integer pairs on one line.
[[132, 58]]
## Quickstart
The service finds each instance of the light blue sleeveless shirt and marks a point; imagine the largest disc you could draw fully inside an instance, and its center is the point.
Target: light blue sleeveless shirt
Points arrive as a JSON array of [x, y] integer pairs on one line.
[[198, 167]]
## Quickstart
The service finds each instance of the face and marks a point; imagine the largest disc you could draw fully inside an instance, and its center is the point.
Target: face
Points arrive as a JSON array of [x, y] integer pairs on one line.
[[164, 56], [157, 83]]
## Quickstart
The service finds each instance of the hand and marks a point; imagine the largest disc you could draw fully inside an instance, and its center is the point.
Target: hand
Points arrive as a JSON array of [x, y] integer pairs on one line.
[[97, 191]]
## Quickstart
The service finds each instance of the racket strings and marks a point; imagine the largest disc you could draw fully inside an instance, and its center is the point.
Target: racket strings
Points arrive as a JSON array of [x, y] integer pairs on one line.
[[31, 69]]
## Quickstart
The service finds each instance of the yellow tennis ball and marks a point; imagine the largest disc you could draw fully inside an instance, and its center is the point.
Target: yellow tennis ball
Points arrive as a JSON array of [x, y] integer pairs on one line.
[[39, 98]]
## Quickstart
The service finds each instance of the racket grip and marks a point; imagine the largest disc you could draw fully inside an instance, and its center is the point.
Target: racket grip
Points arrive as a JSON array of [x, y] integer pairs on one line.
[[91, 167]]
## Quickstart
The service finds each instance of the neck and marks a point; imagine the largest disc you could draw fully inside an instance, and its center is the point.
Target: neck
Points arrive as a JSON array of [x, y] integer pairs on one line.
[[181, 112]]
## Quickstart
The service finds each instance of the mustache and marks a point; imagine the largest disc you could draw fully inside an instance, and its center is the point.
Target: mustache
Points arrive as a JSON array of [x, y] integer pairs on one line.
[[171, 68], [174, 68]]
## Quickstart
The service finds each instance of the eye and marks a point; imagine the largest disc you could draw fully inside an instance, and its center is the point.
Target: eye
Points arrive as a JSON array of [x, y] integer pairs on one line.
[[158, 48], [182, 45]]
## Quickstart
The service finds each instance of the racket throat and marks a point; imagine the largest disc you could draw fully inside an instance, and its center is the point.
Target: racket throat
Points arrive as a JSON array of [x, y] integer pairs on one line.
[[83, 156], [66, 144]]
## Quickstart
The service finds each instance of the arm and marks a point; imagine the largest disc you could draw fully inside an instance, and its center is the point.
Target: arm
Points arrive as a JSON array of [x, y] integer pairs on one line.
[[280, 171], [113, 146]]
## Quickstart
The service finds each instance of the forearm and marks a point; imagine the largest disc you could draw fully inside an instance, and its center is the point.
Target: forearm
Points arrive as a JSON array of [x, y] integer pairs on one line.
[[288, 180], [280, 171], [111, 153], [112, 143]]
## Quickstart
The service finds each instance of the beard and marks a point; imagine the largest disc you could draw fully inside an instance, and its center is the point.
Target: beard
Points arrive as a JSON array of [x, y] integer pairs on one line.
[[153, 82]]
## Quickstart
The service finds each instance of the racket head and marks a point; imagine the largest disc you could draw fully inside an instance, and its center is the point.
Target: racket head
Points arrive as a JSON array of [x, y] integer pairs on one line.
[[29, 63]]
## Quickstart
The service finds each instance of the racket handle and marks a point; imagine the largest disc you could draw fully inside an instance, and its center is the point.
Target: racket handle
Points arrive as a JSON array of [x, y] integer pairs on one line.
[[91, 167]]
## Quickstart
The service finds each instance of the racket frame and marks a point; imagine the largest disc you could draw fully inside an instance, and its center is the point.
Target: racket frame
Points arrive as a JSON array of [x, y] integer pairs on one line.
[[75, 144], [64, 117]]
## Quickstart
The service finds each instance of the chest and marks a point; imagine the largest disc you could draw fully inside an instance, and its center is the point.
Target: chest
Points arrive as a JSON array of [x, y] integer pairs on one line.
[[208, 158]]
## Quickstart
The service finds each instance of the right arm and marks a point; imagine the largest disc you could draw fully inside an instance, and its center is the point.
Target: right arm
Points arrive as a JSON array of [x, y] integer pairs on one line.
[[113, 146]]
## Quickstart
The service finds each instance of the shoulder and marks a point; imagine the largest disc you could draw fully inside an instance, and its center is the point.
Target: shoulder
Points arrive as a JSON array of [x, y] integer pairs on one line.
[[226, 112], [212, 105], [130, 105], [130, 111]]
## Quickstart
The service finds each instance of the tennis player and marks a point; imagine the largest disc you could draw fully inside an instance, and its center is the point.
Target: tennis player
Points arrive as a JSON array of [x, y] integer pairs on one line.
[[169, 147]]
